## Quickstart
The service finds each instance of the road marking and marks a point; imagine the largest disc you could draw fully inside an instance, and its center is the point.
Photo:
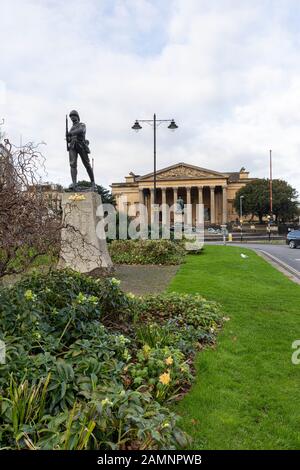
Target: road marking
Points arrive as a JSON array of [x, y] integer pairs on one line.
[[279, 261]]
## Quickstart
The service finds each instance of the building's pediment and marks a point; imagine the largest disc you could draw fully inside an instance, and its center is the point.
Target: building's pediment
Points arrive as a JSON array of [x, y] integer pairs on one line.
[[182, 171]]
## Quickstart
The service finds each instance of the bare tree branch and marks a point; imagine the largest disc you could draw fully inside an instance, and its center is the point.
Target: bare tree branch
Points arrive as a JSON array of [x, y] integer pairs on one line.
[[28, 228]]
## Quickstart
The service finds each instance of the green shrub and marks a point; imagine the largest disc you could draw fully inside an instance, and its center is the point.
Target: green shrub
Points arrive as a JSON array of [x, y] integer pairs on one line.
[[61, 303], [146, 252], [62, 386], [184, 337], [72, 381], [187, 309], [183, 321]]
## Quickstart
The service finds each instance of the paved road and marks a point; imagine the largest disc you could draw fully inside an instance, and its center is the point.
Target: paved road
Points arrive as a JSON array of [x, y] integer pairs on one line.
[[283, 253]]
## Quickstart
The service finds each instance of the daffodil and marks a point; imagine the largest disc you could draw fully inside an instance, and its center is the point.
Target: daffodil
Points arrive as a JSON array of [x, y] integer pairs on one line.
[[169, 361], [165, 378]]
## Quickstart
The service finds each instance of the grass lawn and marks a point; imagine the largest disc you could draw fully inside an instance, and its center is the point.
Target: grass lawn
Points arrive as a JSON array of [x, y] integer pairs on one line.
[[247, 391]]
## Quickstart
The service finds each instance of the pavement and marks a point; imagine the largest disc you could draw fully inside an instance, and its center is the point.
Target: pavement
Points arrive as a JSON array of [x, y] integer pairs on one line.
[[280, 255], [144, 279]]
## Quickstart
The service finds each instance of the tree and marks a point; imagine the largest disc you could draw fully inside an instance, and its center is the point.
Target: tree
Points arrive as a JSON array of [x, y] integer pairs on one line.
[[28, 228], [256, 200], [106, 195], [285, 206]]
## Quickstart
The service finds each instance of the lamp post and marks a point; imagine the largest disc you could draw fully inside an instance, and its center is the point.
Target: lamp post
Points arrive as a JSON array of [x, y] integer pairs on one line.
[[241, 216], [271, 188], [155, 123]]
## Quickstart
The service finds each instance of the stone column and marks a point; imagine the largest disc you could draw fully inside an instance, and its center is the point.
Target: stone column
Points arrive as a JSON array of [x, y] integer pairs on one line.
[[212, 205], [189, 210], [200, 194], [165, 219], [141, 196], [154, 216], [224, 206], [151, 195], [164, 211], [188, 196], [151, 204], [199, 215], [175, 195], [143, 212], [163, 195]]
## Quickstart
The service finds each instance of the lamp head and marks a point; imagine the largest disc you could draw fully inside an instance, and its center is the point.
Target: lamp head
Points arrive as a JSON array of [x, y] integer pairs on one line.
[[136, 126], [172, 126]]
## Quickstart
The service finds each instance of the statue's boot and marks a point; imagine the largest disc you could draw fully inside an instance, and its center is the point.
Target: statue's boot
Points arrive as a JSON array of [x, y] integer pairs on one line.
[[74, 178], [91, 176]]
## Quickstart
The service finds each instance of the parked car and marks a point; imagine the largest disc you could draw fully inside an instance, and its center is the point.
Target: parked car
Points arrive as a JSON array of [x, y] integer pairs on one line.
[[293, 238], [215, 231]]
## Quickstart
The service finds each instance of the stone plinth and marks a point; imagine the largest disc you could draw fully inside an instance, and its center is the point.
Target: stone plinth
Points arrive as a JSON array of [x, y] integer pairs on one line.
[[83, 242]]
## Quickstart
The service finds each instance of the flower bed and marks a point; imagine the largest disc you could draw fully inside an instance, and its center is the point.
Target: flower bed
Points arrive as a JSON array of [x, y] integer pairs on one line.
[[89, 367]]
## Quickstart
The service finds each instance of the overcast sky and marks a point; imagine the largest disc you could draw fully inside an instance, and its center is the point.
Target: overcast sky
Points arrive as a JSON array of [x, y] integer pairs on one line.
[[228, 72]]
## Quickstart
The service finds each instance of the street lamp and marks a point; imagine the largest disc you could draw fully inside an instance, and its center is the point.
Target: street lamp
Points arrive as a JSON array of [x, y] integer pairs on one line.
[[241, 216], [241, 209], [154, 122]]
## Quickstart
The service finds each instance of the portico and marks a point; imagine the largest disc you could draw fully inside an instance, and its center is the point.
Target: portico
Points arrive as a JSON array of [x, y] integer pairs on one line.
[[214, 199], [194, 184]]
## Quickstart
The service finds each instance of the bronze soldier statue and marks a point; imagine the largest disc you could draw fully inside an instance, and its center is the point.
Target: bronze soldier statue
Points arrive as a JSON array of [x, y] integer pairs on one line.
[[77, 144]]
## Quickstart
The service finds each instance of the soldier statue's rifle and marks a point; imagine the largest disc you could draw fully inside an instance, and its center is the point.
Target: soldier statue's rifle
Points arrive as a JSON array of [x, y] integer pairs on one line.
[[67, 133]]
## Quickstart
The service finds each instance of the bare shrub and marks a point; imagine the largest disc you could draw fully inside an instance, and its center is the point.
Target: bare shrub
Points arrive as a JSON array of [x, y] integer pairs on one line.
[[29, 227]]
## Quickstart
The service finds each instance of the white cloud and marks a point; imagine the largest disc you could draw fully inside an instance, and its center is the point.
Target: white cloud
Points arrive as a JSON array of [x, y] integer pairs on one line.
[[227, 71]]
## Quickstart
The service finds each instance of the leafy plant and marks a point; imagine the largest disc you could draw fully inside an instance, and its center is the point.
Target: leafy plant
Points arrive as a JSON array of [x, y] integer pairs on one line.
[[163, 370], [153, 334], [90, 367], [23, 407], [146, 252], [187, 309]]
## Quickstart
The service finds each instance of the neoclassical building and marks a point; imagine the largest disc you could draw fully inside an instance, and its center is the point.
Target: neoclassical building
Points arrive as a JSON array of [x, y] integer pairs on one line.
[[194, 184]]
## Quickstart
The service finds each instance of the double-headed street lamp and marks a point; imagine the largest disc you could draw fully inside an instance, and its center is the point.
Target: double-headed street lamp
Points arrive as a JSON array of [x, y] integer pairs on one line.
[[154, 122]]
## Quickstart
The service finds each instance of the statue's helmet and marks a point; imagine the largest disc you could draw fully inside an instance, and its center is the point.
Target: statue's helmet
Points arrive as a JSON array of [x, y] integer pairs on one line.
[[74, 113]]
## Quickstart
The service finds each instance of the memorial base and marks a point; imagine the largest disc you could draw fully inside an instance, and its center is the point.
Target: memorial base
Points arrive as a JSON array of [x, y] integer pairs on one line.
[[83, 242]]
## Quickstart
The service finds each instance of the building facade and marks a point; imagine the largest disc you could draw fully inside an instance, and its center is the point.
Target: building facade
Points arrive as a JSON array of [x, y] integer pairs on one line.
[[194, 184], [51, 192]]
